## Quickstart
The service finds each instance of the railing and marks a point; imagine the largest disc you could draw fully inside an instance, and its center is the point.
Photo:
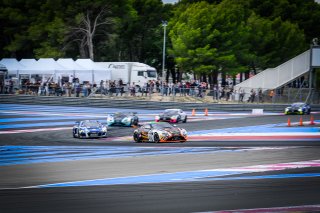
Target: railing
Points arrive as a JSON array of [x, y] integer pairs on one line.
[[197, 94]]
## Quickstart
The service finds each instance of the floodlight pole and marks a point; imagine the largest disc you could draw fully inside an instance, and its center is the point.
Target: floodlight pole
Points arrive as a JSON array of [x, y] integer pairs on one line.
[[164, 24]]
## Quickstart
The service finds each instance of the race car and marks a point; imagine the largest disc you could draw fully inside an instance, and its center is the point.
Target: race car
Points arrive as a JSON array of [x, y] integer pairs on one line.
[[298, 108], [159, 132], [89, 129], [123, 119], [172, 115]]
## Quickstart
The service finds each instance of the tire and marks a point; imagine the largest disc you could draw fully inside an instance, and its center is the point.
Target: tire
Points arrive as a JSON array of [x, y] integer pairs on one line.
[[178, 119], [74, 135], [136, 137], [185, 120], [156, 138], [79, 136]]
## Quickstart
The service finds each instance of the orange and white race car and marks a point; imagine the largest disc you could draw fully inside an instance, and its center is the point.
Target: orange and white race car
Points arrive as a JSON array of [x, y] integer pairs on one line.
[[159, 132]]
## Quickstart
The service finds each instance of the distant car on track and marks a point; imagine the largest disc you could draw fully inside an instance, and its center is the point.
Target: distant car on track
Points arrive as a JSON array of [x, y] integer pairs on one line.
[[89, 129], [172, 116], [123, 119], [298, 108], [160, 132]]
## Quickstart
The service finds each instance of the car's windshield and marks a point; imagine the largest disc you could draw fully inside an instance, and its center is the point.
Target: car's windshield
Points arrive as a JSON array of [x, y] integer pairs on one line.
[[123, 114], [162, 125], [171, 111], [297, 104], [90, 123]]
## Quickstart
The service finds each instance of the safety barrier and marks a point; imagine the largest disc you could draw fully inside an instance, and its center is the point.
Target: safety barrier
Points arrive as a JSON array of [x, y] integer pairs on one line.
[[143, 104]]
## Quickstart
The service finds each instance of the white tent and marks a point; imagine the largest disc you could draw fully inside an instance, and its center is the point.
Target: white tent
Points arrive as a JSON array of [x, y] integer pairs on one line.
[[64, 69], [42, 66], [78, 71], [98, 72], [45, 69], [12, 65], [27, 62]]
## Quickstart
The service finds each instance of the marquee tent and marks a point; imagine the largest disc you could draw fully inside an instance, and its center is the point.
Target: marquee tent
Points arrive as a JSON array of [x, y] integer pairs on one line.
[[98, 72], [12, 65], [64, 69]]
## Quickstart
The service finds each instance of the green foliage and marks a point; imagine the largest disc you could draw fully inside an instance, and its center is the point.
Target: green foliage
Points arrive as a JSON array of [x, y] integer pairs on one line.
[[205, 37]]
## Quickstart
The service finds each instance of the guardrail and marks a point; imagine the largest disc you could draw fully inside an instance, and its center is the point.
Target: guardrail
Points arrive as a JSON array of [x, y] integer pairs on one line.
[[141, 104]]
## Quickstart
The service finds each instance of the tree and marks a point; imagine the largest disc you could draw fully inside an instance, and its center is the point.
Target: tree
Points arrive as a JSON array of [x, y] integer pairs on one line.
[[88, 26]]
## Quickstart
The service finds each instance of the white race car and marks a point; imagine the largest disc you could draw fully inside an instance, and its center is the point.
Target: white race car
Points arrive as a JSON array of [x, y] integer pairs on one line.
[[172, 116]]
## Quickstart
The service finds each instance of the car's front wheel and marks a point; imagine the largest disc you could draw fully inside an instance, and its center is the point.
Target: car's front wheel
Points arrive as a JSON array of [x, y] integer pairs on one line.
[[185, 119], [136, 137], [156, 138]]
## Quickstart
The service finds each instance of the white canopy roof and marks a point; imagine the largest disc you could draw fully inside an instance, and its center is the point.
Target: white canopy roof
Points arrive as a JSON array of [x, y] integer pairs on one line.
[[43, 66], [27, 62], [84, 69], [70, 64], [11, 64]]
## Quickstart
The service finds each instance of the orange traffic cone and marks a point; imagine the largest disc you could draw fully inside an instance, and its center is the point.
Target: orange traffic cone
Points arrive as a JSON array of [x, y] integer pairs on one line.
[[312, 120], [206, 112], [301, 122], [193, 112], [289, 122]]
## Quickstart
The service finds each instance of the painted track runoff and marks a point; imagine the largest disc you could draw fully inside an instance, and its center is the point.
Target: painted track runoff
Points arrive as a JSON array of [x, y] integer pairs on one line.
[[44, 169]]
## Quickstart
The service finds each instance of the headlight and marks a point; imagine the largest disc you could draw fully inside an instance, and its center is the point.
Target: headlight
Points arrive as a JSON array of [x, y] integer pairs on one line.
[[157, 117], [174, 117], [184, 132], [104, 129], [125, 120], [300, 109]]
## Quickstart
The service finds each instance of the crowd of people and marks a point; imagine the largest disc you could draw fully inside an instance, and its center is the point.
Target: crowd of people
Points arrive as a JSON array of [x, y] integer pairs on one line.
[[191, 88]]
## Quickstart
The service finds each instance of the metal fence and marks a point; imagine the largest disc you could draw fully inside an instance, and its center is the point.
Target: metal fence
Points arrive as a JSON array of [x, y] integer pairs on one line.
[[217, 95]]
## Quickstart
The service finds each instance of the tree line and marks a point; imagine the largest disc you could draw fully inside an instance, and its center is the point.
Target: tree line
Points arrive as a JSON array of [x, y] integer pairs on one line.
[[204, 38]]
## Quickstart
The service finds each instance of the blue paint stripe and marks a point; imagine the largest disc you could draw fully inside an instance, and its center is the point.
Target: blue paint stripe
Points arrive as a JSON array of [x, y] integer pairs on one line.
[[157, 178], [45, 124], [176, 177]]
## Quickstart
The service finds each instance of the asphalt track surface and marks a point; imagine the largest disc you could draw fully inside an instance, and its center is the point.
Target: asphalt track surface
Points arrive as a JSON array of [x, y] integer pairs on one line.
[[49, 171]]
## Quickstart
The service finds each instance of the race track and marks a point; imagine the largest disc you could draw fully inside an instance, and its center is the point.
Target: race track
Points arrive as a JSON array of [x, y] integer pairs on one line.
[[232, 161]]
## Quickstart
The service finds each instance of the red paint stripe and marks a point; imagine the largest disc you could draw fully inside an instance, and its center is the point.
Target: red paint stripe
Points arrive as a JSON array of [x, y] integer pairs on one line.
[[306, 208]]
